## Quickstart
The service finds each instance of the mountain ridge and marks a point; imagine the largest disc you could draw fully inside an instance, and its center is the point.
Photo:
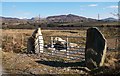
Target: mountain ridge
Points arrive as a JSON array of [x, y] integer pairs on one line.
[[109, 19]]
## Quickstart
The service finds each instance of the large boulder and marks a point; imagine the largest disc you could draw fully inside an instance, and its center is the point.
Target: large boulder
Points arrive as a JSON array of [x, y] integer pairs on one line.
[[60, 40], [95, 50]]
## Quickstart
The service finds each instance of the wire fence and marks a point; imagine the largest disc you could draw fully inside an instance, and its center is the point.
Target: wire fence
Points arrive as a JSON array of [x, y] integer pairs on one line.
[[71, 49]]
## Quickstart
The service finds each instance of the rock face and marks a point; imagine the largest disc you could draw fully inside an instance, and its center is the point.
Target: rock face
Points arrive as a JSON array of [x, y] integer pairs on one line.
[[95, 50], [30, 45], [39, 43], [35, 43]]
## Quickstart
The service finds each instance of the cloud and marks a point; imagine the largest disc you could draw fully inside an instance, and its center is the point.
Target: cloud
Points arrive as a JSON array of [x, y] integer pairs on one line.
[[22, 17], [93, 5], [113, 6]]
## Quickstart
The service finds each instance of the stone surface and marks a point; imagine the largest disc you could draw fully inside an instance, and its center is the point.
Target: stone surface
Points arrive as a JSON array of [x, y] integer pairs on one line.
[[39, 43], [95, 50], [35, 43], [30, 45]]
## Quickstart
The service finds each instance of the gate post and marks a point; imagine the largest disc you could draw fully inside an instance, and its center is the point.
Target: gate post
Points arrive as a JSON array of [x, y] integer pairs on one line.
[[67, 48], [13, 39], [52, 45]]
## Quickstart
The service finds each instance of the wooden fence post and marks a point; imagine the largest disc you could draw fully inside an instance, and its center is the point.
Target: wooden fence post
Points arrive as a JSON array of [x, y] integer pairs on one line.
[[117, 43], [22, 40], [13, 39]]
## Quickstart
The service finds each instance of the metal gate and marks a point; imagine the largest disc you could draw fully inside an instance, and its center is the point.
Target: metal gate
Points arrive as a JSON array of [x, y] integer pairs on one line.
[[73, 50]]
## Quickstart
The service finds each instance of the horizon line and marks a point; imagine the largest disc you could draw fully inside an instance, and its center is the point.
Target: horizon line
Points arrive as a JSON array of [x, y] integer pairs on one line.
[[55, 15]]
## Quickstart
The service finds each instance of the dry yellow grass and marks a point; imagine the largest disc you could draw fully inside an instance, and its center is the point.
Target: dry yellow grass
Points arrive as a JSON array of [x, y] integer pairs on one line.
[[18, 37], [30, 65]]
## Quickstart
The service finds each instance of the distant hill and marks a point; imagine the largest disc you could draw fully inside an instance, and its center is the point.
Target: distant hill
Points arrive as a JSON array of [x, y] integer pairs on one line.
[[58, 21], [13, 21], [59, 18], [110, 19], [68, 18], [35, 18]]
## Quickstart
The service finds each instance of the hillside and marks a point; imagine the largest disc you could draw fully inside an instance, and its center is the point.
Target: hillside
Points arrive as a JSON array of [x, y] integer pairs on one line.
[[68, 18], [13, 21], [110, 19]]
